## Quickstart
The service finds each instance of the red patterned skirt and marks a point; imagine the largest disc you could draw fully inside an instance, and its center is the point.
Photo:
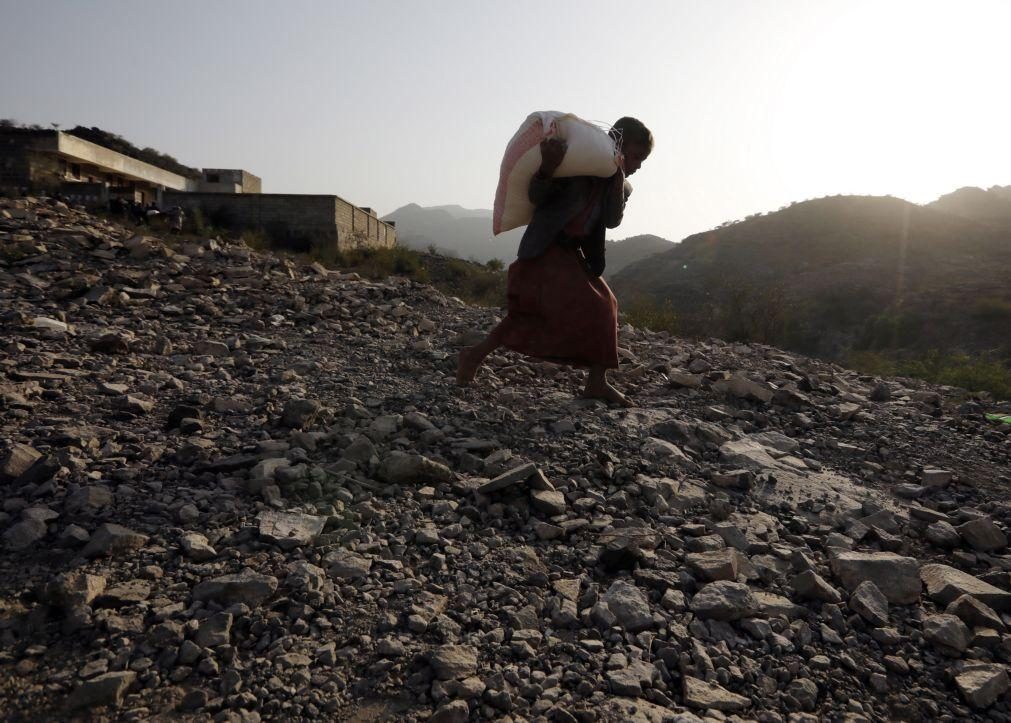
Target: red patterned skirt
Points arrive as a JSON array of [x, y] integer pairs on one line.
[[558, 312]]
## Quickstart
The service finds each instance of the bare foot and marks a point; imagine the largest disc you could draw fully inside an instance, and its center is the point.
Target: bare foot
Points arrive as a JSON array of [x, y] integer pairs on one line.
[[608, 394], [468, 363]]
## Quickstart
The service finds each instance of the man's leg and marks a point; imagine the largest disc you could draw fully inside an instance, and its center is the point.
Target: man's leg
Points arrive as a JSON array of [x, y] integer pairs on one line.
[[470, 359], [597, 387]]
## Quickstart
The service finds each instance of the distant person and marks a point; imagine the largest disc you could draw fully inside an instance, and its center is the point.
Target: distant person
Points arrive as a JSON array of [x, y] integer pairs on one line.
[[138, 213], [559, 307], [176, 218]]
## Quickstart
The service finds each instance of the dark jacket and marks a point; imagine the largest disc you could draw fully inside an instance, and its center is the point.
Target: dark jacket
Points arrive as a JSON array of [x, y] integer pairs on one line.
[[559, 200]]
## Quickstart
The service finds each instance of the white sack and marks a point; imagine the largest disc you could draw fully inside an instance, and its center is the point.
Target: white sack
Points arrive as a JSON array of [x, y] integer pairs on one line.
[[591, 152]]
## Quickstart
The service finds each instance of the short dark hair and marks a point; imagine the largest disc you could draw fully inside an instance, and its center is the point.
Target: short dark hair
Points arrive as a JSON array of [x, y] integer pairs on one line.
[[632, 130]]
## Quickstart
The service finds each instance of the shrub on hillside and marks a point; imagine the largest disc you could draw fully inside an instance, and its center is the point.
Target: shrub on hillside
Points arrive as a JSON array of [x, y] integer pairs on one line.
[[646, 312], [992, 310], [974, 374]]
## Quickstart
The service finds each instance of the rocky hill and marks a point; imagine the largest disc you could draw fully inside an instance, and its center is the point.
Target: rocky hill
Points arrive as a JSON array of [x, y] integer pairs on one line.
[[627, 251], [455, 231], [466, 232], [238, 486], [990, 206], [840, 273]]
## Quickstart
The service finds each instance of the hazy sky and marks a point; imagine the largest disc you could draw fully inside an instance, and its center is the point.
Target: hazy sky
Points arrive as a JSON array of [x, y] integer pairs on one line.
[[753, 103]]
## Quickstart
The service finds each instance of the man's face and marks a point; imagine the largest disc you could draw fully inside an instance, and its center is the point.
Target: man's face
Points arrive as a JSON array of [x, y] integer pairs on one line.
[[635, 154]]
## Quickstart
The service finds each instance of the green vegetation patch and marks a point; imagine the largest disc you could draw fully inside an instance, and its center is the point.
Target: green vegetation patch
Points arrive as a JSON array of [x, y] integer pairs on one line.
[[481, 285], [975, 374], [646, 312]]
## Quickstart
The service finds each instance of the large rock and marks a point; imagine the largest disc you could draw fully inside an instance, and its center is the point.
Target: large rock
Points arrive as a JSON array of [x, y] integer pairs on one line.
[[896, 576], [206, 347], [105, 689], [550, 502], [945, 584], [981, 685], [360, 450], [24, 534], [724, 600], [714, 565], [975, 614], [306, 578], [247, 587], [88, 500], [982, 534], [456, 711], [515, 476], [196, 547], [748, 454], [404, 468], [805, 692], [289, 530], [630, 680], [704, 696], [743, 388], [771, 605], [214, 631], [18, 460], [947, 633], [936, 478], [942, 534], [453, 662], [809, 585], [300, 413], [347, 565], [113, 540], [662, 449], [129, 592], [72, 589], [628, 605], [870, 603]]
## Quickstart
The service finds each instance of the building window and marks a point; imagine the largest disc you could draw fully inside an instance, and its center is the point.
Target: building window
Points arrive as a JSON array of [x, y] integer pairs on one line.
[[75, 170], [214, 178]]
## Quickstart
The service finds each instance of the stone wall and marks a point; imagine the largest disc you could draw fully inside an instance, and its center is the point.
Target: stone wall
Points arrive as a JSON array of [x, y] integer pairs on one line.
[[295, 220]]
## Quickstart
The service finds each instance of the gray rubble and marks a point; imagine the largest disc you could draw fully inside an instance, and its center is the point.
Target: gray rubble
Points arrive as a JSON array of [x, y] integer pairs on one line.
[[238, 486]]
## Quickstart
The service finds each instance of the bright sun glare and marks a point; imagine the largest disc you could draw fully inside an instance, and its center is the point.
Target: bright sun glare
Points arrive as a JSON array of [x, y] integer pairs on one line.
[[896, 98]]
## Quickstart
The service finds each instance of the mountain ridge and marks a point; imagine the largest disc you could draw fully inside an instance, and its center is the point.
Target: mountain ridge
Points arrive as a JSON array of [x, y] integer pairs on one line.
[[457, 231], [878, 260]]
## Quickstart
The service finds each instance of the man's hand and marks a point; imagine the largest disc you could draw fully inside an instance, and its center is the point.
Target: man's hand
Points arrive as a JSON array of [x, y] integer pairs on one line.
[[552, 153]]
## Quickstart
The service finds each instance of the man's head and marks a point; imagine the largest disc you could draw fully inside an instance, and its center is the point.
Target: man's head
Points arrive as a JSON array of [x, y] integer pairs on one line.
[[636, 142]]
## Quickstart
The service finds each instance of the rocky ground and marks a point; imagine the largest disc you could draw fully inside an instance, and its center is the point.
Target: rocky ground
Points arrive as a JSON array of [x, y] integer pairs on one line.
[[237, 487]]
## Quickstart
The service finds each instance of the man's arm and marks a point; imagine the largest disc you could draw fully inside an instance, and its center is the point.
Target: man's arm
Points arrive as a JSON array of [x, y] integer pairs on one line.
[[543, 189], [542, 185], [618, 192]]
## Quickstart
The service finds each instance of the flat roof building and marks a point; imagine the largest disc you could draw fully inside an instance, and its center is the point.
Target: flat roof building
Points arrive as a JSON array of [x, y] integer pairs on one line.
[[89, 173], [53, 161]]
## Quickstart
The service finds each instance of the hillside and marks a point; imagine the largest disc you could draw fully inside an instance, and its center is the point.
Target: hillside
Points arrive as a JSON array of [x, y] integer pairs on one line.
[[990, 206], [457, 231], [627, 251], [454, 231], [841, 273], [240, 486]]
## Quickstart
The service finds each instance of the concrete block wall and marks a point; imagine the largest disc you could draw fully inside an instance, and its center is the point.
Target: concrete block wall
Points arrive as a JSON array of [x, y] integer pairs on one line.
[[344, 214], [369, 229], [296, 220]]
